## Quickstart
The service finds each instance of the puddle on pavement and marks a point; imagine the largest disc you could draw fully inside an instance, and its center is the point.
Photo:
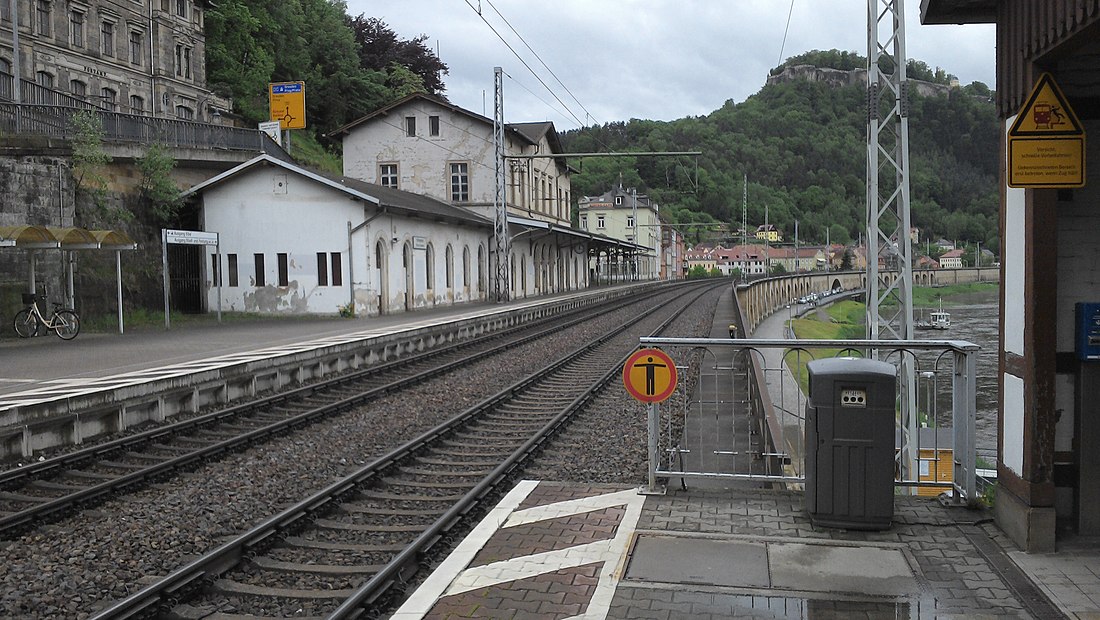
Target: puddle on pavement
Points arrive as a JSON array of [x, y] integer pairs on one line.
[[788, 608]]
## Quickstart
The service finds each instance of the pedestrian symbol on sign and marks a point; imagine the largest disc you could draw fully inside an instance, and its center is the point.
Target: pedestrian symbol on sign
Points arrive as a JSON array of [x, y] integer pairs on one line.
[[650, 375]]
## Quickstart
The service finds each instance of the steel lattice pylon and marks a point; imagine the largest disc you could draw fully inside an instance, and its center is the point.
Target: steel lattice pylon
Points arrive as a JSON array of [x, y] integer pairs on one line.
[[890, 287], [501, 239]]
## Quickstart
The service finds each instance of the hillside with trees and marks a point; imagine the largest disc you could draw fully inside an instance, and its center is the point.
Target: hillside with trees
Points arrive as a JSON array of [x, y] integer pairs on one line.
[[802, 146], [800, 142], [351, 66]]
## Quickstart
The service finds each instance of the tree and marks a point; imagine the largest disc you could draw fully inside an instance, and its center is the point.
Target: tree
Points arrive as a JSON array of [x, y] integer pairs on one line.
[[89, 172], [158, 190], [236, 57], [380, 48], [846, 260]]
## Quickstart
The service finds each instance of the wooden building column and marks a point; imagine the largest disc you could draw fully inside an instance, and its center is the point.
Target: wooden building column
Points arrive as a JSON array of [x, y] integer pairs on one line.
[[1024, 505]]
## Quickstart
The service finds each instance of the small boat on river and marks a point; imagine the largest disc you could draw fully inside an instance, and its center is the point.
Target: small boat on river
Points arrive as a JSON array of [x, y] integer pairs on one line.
[[936, 320]]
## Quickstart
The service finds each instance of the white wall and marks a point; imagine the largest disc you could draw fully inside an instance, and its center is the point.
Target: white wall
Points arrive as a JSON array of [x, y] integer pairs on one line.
[[271, 211], [424, 161]]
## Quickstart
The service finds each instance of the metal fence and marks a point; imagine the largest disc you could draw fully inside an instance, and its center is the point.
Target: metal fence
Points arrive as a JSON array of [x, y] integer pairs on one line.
[[745, 418], [56, 121]]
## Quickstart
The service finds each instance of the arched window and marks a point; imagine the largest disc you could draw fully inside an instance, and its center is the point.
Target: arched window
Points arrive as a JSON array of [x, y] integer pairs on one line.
[[480, 269], [512, 284], [466, 266], [429, 267], [449, 256]]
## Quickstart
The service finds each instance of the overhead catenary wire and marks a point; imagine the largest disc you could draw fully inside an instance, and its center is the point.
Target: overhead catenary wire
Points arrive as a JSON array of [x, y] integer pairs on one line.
[[783, 45], [543, 63], [477, 10]]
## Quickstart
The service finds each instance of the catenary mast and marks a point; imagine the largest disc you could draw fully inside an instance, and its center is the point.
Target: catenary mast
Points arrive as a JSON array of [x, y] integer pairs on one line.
[[890, 285]]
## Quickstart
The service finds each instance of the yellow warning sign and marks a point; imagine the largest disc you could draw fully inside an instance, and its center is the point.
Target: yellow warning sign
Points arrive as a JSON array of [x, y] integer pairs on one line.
[[1046, 143], [288, 104], [650, 375]]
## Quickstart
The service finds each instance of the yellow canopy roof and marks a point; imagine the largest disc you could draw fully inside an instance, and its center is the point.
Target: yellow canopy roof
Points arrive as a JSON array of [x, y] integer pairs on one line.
[[38, 237]]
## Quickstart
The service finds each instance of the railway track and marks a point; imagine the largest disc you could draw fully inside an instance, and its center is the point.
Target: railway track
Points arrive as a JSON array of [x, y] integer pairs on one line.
[[347, 550], [51, 490]]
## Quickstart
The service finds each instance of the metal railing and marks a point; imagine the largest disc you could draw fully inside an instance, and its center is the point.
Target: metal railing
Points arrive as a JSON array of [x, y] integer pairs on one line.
[[57, 122], [745, 419], [47, 112]]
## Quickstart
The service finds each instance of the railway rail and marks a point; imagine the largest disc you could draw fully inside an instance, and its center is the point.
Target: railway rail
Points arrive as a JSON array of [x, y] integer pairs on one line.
[[50, 490], [349, 549]]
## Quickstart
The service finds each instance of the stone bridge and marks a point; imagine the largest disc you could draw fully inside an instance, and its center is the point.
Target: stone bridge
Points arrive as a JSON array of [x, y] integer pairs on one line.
[[760, 298]]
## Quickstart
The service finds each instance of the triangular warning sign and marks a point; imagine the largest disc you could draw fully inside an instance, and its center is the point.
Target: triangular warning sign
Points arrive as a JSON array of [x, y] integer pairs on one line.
[[1046, 113]]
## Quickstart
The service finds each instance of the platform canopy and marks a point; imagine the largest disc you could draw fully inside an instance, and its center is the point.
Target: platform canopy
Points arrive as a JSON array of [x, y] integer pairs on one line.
[[50, 237], [33, 238]]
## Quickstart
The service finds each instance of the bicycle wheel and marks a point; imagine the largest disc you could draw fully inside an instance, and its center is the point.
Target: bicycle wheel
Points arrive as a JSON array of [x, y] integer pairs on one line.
[[26, 324], [66, 323]]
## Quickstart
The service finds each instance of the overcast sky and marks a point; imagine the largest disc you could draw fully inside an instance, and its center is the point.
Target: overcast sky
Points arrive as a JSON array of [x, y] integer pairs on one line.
[[648, 59]]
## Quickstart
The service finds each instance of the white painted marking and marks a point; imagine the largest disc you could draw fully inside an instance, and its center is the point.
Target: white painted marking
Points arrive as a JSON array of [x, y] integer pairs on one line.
[[449, 579], [1012, 444], [433, 587], [1015, 304]]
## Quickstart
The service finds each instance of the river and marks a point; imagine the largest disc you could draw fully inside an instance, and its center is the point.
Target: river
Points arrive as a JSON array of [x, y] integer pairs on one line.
[[974, 318]]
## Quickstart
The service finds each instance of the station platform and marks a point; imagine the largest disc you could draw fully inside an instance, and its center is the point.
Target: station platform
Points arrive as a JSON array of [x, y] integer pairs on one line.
[[564, 550], [554, 550]]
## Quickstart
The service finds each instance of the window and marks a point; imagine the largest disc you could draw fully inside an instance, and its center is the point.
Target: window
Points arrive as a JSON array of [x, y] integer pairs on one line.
[[410, 126], [433, 126], [135, 47], [216, 277], [183, 61], [429, 267], [232, 269], [78, 89], [599, 222], [322, 269], [260, 279], [181, 8], [42, 17], [185, 113], [449, 258], [630, 221], [618, 200], [460, 182], [76, 28], [284, 269], [5, 11], [337, 271], [110, 98], [107, 38], [387, 175], [137, 106], [43, 95], [584, 222]]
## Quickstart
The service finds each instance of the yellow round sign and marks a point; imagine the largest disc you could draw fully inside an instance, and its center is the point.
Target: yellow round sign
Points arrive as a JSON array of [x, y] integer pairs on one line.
[[650, 375]]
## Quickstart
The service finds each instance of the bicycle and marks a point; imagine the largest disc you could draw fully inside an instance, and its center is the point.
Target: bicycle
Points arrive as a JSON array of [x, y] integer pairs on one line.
[[28, 321]]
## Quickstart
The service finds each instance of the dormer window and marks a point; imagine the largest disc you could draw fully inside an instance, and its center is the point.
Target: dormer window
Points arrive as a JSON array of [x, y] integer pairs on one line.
[[618, 200]]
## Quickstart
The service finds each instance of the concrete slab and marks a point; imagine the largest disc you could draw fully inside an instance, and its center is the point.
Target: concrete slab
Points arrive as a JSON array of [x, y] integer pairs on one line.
[[679, 559], [830, 568]]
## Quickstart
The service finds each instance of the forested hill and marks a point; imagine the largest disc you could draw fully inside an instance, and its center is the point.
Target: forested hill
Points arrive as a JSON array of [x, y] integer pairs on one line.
[[802, 145]]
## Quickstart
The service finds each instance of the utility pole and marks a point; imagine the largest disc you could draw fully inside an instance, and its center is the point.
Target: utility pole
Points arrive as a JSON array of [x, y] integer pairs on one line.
[[501, 240], [767, 244], [744, 225], [890, 302], [634, 220]]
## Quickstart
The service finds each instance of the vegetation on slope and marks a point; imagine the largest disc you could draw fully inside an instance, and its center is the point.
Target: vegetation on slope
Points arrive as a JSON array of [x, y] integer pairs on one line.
[[802, 147]]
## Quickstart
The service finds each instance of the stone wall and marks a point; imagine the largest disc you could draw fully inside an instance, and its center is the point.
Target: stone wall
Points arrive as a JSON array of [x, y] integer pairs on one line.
[[34, 190]]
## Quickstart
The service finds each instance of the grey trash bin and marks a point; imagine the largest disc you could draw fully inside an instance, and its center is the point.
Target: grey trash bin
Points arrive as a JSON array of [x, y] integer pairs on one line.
[[850, 443]]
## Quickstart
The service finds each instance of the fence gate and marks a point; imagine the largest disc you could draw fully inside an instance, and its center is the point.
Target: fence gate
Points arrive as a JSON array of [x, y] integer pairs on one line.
[[185, 280]]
